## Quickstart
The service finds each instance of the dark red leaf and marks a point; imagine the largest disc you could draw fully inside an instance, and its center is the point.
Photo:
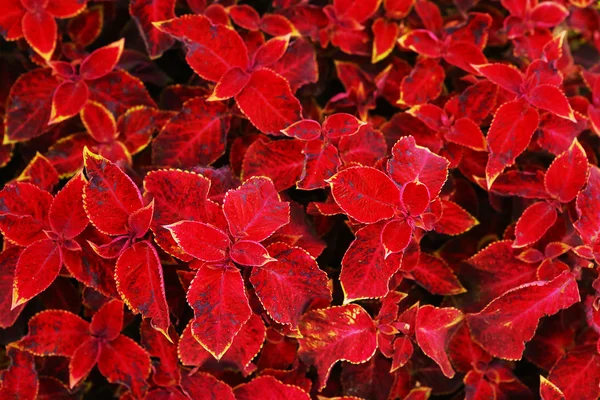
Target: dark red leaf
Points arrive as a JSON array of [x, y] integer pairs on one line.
[[534, 223], [20, 379], [102, 61], [144, 13], [83, 360], [269, 388], [205, 386], [567, 173], [108, 320]]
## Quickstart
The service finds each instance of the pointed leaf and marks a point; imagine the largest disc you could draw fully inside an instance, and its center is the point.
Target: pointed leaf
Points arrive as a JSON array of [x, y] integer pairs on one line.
[[166, 373], [270, 52], [567, 173], [467, 133], [249, 253], [67, 216], [144, 13], [288, 286], [341, 124], [434, 327], [436, 276], [366, 271], [197, 135], [205, 386], [39, 29], [551, 98], [455, 220], [38, 266], [8, 263], [506, 76], [200, 240], [40, 172], [83, 360], [423, 42], [588, 224], [509, 135], [395, 236], [534, 223], [101, 61], [220, 305], [119, 91], [54, 332], [231, 83], [107, 323], [268, 102], [333, 334], [299, 64], [99, 122], [504, 325], [255, 211], [577, 374], [140, 220], [123, 361], [20, 379], [110, 196], [549, 391], [385, 34], [423, 84], [212, 49], [365, 194], [320, 164]]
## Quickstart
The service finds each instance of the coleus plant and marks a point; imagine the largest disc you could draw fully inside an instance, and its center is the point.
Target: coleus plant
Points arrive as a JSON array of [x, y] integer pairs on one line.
[[331, 200]]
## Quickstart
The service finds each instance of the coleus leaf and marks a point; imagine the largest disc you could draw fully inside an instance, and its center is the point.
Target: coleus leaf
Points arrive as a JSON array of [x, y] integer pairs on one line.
[[321, 163], [99, 122], [20, 379], [68, 100], [212, 50], [110, 195], [290, 284], [38, 266], [166, 372], [196, 135], [515, 315], [365, 194], [385, 33], [567, 173], [366, 271], [588, 224], [269, 388], [202, 385], [509, 135], [268, 102], [423, 84], [270, 52], [577, 374], [101, 61], [124, 361], [534, 223], [455, 220], [434, 274], [220, 304], [24, 212], [107, 322], [255, 211], [434, 327], [54, 332], [299, 64], [334, 334], [8, 263], [40, 172], [200, 240], [144, 13], [140, 282], [249, 253], [549, 391], [231, 83], [83, 360], [67, 216], [118, 91]]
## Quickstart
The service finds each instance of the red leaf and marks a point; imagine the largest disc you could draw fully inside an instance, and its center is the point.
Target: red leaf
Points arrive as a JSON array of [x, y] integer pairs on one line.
[[534, 222], [54, 333], [551, 98], [436, 276], [123, 361], [577, 374], [365, 194], [220, 305], [464, 55], [415, 198], [504, 325], [29, 105], [140, 282], [341, 124], [255, 211], [268, 102], [434, 327], [140, 220], [455, 220], [107, 323], [423, 84], [549, 391], [40, 172], [403, 351], [99, 122], [477, 101], [178, 196], [65, 8], [201, 385], [506, 76], [249, 253], [270, 52], [144, 13], [288, 286], [366, 271], [83, 360], [305, 129], [509, 135], [197, 135], [280, 160], [10, 21], [320, 164], [431, 115], [365, 147], [245, 16], [38, 266], [231, 83], [269, 388], [67, 216], [385, 34], [550, 14], [411, 162], [333, 334], [298, 65], [68, 100], [110, 196], [86, 26], [397, 8], [588, 224], [467, 133], [24, 213], [567, 173], [395, 236], [20, 379], [112, 249], [167, 372], [119, 91], [40, 29], [8, 262], [102, 61], [212, 49], [200, 240]]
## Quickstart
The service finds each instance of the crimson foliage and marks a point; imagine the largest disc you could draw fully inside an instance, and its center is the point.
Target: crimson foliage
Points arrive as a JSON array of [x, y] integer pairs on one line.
[[294, 199]]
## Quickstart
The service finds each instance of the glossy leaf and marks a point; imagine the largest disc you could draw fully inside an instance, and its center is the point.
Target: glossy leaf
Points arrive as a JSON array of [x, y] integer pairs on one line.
[[534, 222], [567, 173], [200, 240]]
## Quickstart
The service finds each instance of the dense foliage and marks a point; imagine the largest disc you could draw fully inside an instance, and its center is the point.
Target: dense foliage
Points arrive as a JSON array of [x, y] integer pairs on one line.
[[294, 199]]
